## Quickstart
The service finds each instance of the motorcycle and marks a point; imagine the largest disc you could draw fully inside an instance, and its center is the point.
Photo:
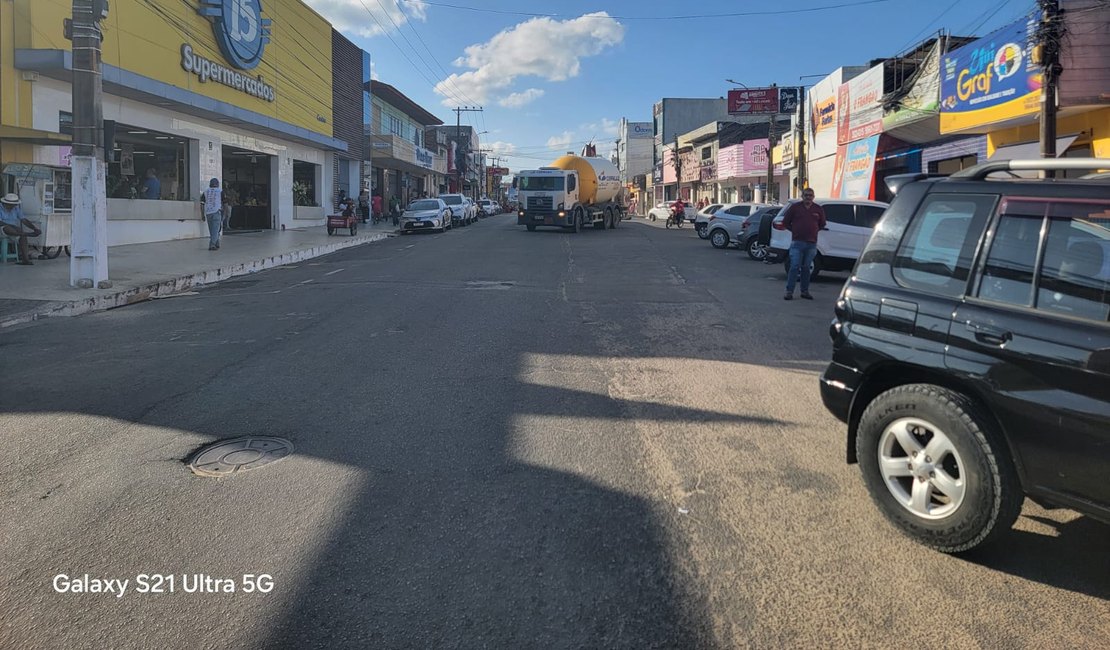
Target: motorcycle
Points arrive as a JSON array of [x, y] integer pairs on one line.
[[676, 218]]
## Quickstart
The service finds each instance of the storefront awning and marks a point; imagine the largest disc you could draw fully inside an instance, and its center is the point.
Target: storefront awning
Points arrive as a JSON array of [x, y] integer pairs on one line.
[[33, 136], [1030, 150]]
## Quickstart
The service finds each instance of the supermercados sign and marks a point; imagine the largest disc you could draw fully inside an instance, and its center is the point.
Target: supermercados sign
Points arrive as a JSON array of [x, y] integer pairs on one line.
[[208, 70], [242, 34]]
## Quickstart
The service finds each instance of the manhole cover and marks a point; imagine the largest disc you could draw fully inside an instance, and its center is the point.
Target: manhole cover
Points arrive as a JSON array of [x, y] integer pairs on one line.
[[239, 455]]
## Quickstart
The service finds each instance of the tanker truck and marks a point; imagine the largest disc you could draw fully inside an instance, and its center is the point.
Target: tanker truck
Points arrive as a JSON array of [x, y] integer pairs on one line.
[[572, 192]]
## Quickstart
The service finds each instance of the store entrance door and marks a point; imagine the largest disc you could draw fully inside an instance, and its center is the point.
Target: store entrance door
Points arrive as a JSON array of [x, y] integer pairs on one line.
[[246, 184]]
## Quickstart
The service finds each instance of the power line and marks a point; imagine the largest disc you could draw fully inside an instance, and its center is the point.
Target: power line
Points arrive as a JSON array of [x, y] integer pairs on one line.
[[447, 75], [913, 39], [734, 14], [407, 41]]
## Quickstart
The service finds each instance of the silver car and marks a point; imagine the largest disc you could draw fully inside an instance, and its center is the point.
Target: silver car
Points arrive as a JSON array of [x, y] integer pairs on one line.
[[724, 227], [701, 225], [426, 214], [460, 208]]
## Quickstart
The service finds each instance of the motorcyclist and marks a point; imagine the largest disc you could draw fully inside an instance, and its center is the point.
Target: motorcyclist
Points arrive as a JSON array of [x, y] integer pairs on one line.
[[678, 210]]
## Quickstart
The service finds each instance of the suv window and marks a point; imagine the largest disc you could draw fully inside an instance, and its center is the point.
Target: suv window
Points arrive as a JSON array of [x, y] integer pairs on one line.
[[868, 215], [1075, 274], [937, 251], [840, 213], [739, 210], [1007, 274]]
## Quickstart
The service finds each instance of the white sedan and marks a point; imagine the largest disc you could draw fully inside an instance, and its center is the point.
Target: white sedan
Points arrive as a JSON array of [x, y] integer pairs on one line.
[[663, 210], [426, 214]]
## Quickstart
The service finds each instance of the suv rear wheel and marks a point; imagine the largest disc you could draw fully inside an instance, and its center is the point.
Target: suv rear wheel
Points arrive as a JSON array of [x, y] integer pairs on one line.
[[935, 469]]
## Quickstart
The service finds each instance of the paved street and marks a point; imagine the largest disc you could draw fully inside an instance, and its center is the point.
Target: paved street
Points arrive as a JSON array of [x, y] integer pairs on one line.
[[502, 439]]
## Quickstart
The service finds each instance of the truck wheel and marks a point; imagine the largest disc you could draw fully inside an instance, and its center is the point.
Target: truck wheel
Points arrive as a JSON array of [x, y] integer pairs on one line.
[[603, 223], [530, 228], [616, 219], [578, 217]]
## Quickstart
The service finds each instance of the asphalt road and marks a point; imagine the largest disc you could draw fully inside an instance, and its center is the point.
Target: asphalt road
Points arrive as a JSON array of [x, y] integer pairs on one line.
[[502, 439]]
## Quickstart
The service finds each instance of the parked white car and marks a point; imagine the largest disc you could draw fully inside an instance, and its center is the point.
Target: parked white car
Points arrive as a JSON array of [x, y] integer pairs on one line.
[[488, 207], [663, 210], [426, 214], [850, 223], [462, 209]]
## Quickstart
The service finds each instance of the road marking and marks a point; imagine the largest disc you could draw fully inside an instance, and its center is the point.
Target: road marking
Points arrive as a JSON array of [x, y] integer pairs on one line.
[[409, 246], [303, 282], [334, 272]]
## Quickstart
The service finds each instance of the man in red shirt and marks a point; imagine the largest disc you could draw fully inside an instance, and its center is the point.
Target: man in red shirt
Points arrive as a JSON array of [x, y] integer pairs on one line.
[[678, 209], [804, 220]]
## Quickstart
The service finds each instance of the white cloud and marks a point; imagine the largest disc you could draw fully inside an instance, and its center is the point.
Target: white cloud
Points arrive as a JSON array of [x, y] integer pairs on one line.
[[605, 127], [516, 100], [540, 47], [500, 148], [561, 141], [358, 16]]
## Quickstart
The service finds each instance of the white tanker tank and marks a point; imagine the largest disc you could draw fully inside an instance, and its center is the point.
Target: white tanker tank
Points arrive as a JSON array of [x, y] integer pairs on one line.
[[571, 192]]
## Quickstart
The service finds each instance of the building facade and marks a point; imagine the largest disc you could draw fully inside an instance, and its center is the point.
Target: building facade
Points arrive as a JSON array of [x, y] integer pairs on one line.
[[180, 107], [402, 166]]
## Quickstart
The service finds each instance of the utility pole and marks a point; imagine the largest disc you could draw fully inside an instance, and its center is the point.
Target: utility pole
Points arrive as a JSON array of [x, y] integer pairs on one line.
[[801, 157], [677, 169], [769, 195], [88, 265], [459, 164], [1047, 53]]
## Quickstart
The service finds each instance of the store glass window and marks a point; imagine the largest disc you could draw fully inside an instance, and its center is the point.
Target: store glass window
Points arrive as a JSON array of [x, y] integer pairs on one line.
[[305, 189], [146, 164]]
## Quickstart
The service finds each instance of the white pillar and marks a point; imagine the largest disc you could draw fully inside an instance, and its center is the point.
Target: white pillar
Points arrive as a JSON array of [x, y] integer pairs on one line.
[[281, 190], [88, 265]]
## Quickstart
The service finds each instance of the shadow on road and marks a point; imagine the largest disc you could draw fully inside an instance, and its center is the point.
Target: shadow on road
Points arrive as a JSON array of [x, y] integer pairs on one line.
[[1075, 558]]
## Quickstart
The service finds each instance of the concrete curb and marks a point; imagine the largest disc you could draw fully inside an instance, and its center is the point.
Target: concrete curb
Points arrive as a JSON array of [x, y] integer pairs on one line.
[[177, 285]]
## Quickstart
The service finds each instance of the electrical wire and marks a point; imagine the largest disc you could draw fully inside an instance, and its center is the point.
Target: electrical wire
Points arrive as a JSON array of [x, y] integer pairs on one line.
[[734, 14], [913, 39]]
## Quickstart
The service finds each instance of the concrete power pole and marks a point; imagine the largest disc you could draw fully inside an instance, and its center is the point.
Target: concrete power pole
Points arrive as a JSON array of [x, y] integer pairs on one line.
[[458, 140], [1047, 53], [88, 266]]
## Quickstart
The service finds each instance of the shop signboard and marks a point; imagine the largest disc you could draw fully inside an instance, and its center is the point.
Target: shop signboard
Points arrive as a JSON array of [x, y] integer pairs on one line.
[[789, 98], [690, 166], [860, 106], [424, 158], [749, 101], [29, 171], [755, 157], [499, 171], [990, 80], [855, 168], [657, 174], [788, 150], [708, 171], [638, 130], [730, 161]]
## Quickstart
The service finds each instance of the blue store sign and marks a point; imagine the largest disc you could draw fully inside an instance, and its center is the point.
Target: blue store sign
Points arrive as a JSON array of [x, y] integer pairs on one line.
[[241, 31]]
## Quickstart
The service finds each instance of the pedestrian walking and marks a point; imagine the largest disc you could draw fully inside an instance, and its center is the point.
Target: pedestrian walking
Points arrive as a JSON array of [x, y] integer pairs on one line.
[[395, 209], [211, 205], [15, 225], [376, 206], [804, 220], [364, 205]]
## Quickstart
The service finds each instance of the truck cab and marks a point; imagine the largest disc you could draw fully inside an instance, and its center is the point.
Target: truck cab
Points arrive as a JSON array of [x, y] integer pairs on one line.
[[547, 196]]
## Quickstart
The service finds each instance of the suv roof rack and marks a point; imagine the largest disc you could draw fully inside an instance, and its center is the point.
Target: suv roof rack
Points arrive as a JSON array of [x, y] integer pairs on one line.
[[980, 172]]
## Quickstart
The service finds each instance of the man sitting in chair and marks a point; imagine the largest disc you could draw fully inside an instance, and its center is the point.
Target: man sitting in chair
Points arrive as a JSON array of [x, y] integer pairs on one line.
[[14, 225]]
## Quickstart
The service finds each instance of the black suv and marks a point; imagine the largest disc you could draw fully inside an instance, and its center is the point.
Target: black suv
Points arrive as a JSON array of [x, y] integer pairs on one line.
[[971, 351]]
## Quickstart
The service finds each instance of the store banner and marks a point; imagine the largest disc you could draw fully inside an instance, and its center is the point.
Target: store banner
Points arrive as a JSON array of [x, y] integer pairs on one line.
[[824, 114], [690, 166], [923, 98], [639, 130], [990, 80], [749, 101], [860, 106], [855, 168]]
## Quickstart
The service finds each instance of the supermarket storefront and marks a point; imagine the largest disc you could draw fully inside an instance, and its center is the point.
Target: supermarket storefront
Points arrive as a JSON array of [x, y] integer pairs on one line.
[[186, 99]]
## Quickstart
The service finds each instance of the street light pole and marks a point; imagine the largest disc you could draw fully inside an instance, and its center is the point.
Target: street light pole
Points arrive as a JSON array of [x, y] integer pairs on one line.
[[88, 265]]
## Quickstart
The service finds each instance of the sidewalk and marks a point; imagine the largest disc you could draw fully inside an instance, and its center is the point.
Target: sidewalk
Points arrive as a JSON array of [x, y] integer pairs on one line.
[[142, 271]]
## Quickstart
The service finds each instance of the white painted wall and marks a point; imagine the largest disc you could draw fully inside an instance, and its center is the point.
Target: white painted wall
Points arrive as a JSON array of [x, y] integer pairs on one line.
[[51, 97]]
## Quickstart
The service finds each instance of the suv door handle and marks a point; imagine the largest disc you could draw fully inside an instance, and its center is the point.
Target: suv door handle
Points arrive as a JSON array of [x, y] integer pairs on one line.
[[989, 334]]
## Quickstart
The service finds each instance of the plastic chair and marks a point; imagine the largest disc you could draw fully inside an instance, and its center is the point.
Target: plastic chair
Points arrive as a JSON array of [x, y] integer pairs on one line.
[[9, 249]]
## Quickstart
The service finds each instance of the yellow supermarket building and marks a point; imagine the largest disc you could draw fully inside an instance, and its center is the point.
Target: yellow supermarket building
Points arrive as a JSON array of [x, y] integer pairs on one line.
[[240, 90]]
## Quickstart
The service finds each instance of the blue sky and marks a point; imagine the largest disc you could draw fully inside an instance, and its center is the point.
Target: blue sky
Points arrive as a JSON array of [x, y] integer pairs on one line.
[[548, 84]]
